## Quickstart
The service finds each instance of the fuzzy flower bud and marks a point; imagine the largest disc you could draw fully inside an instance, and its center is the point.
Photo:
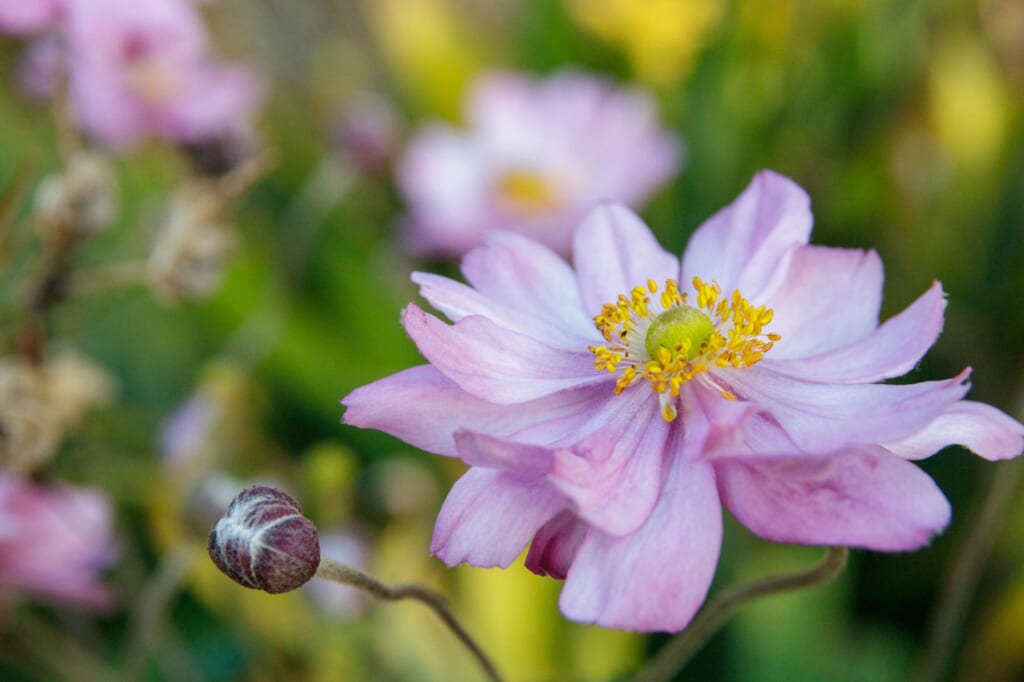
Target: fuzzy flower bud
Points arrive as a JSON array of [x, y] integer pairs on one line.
[[264, 542], [79, 201]]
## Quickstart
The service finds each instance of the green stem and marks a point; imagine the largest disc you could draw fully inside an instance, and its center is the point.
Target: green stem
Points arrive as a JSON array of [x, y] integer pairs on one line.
[[962, 582], [340, 573], [674, 656]]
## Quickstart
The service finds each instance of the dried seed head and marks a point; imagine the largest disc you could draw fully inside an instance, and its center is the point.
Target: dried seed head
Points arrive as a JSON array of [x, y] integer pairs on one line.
[[192, 247], [80, 200], [42, 402], [264, 542]]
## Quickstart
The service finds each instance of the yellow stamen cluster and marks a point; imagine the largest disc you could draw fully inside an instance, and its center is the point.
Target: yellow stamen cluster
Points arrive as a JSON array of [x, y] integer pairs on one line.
[[718, 331], [527, 192]]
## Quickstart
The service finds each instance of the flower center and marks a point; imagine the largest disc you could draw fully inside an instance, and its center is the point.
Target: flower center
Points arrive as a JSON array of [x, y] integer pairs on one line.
[[154, 80], [682, 329], [526, 191], [669, 342]]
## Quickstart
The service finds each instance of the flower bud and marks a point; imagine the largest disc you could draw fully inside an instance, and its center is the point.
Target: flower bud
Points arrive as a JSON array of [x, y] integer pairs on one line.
[[367, 133], [264, 542]]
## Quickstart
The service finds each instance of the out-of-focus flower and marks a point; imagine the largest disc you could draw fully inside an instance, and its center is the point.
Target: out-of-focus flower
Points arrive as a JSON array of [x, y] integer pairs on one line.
[[40, 404], [536, 156], [142, 69], [662, 38], [54, 542], [192, 247], [607, 412], [367, 133], [79, 201], [29, 16], [135, 70], [187, 431]]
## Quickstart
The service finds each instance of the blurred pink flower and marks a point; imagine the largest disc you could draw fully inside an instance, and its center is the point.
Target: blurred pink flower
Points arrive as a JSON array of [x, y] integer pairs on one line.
[[54, 541], [29, 16], [537, 154], [607, 414], [142, 69], [187, 430], [367, 133]]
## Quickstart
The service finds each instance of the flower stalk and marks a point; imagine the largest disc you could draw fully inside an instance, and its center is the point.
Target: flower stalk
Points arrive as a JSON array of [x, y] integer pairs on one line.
[[674, 656], [346, 575]]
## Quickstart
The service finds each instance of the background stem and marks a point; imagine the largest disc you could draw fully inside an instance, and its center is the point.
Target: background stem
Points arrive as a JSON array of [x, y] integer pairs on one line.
[[672, 657], [346, 575]]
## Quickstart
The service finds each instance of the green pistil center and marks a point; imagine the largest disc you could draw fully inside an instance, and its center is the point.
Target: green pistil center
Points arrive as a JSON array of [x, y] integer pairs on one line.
[[680, 329]]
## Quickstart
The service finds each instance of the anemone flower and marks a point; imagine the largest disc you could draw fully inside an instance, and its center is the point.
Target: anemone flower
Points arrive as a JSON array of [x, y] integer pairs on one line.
[[607, 411], [535, 156], [22, 17], [54, 542], [140, 70]]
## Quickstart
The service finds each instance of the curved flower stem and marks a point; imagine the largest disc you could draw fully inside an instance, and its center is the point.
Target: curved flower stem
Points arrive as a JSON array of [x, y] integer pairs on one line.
[[963, 579], [671, 658], [346, 575]]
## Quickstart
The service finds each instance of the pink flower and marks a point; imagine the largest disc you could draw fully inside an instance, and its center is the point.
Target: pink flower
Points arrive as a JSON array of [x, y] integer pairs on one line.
[[607, 412], [536, 156], [29, 16], [142, 69], [54, 541]]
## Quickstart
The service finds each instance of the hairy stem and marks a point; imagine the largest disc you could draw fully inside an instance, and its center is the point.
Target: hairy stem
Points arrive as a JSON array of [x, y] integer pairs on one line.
[[672, 657], [346, 575]]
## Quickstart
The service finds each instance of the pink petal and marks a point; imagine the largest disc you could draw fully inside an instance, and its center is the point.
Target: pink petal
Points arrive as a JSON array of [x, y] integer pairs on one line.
[[613, 476], [657, 577], [423, 408], [221, 99], [746, 245], [610, 468], [490, 516], [892, 350], [481, 450], [22, 17], [613, 252], [555, 545], [526, 276], [826, 417], [869, 499], [456, 301], [986, 431], [439, 175], [497, 107], [830, 298], [498, 365]]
